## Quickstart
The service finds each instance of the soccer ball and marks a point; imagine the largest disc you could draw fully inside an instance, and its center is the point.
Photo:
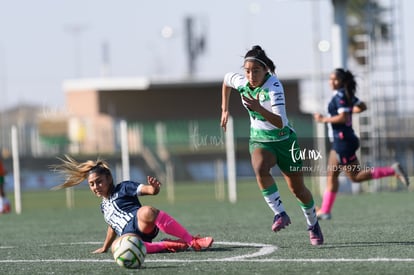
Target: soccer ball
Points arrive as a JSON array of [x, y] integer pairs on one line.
[[129, 251]]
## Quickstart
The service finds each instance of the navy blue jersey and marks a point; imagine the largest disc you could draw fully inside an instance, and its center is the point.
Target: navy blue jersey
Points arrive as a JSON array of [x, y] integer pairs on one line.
[[337, 105], [121, 207]]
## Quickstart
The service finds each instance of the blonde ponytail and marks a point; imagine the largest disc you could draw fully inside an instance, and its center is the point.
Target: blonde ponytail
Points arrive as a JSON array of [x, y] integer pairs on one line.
[[75, 172]]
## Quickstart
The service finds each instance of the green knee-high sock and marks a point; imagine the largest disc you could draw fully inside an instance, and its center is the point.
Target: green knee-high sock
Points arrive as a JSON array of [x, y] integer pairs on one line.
[[272, 198]]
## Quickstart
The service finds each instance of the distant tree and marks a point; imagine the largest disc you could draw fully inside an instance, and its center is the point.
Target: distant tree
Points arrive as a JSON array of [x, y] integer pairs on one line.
[[366, 20]]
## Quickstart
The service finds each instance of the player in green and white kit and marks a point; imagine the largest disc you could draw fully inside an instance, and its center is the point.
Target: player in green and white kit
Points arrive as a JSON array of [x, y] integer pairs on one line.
[[272, 139]]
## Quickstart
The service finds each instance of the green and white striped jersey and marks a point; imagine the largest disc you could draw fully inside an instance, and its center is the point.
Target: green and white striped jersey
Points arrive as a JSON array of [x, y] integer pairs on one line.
[[271, 97]]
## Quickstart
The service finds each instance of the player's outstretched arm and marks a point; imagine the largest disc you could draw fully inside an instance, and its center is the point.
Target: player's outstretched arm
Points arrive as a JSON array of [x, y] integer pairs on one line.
[[225, 98], [110, 237], [152, 188]]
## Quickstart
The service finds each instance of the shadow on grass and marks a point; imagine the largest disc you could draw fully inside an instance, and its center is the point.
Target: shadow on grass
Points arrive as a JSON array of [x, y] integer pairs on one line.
[[366, 244], [227, 248]]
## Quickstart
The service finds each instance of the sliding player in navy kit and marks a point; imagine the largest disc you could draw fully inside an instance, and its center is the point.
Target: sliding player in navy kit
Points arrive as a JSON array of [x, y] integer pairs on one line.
[[123, 211]]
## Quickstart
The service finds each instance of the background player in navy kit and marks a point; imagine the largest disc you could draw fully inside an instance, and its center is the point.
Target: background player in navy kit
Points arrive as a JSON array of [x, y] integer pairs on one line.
[[4, 201], [271, 137], [342, 156], [123, 211]]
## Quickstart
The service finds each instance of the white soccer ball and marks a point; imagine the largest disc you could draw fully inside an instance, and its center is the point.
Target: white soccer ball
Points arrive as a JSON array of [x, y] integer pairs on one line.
[[129, 251]]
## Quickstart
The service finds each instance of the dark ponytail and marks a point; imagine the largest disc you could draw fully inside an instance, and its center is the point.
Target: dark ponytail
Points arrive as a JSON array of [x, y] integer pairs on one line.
[[348, 82], [259, 55]]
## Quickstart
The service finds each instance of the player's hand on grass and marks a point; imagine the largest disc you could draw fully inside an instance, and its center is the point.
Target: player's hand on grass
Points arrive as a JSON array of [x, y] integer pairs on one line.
[[99, 250]]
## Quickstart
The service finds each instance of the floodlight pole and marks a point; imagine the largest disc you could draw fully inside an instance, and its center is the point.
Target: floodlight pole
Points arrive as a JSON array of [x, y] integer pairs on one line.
[[195, 45], [340, 34], [76, 31]]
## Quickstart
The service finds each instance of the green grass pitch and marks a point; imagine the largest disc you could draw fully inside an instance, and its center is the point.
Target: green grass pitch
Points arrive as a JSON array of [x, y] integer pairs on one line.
[[369, 234]]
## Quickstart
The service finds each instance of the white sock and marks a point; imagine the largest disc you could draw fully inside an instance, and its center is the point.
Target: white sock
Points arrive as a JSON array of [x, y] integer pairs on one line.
[[274, 202], [2, 201], [310, 215]]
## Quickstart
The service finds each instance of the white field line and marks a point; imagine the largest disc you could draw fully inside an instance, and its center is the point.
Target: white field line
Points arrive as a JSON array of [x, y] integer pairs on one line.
[[264, 250]]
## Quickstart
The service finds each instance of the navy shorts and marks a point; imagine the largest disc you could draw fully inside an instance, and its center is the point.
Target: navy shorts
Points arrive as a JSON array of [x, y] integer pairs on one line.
[[132, 227], [346, 150]]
